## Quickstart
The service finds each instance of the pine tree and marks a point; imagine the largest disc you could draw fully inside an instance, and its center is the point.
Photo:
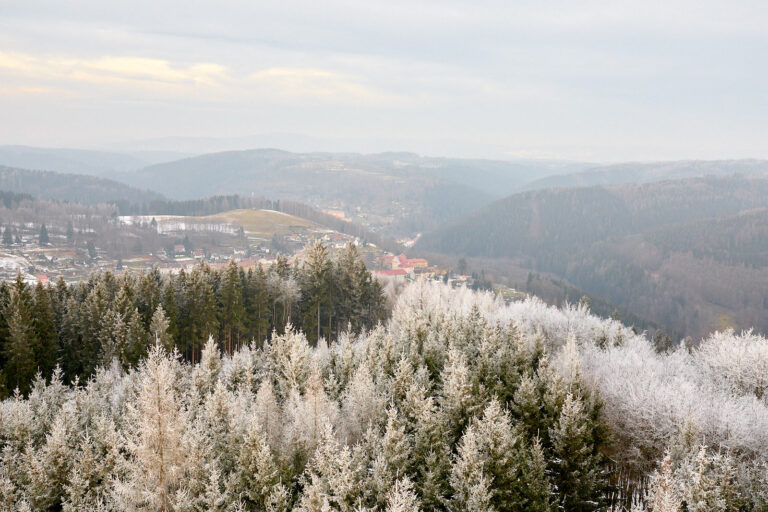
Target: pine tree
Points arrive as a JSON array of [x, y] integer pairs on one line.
[[316, 275], [402, 498], [330, 482], [232, 311], [50, 466], [155, 443], [7, 236], [662, 495], [469, 481], [158, 329], [70, 232], [256, 474], [43, 238], [44, 320], [22, 344], [137, 339], [576, 464]]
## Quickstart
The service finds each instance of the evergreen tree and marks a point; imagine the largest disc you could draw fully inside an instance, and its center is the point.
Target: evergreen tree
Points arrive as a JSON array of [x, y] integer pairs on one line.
[[159, 329], [155, 443], [577, 466], [231, 311], [316, 274], [7, 236], [256, 475], [22, 343], [70, 232], [46, 333], [43, 238]]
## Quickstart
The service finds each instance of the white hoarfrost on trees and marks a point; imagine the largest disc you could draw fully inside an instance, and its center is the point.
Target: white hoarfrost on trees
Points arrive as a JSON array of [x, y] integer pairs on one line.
[[458, 402]]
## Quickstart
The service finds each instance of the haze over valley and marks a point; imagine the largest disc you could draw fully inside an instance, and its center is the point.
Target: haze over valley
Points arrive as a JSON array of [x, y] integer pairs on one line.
[[383, 256]]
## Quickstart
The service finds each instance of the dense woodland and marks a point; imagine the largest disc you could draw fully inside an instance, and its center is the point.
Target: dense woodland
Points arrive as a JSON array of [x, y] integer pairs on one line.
[[669, 253], [458, 403], [81, 326]]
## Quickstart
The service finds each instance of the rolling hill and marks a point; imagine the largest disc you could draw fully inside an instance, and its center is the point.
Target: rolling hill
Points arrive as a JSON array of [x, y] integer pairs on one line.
[[689, 255], [76, 188], [398, 192]]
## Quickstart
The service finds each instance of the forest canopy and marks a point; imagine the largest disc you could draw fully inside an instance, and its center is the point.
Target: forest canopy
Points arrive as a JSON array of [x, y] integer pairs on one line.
[[458, 402]]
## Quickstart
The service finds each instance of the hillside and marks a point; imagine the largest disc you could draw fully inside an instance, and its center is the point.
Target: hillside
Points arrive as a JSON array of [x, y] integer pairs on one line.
[[664, 251], [399, 192], [261, 222], [77, 188], [634, 172]]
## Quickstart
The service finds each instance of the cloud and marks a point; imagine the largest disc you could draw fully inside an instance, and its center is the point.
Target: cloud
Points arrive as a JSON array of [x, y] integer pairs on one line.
[[320, 85], [204, 80], [108, 69]]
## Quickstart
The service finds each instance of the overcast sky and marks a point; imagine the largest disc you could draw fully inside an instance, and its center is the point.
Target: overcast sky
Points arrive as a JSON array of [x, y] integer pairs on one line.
[[584, 80]]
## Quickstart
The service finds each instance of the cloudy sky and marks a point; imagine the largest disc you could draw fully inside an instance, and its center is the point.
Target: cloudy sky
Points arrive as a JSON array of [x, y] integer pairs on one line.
[[586, 80]]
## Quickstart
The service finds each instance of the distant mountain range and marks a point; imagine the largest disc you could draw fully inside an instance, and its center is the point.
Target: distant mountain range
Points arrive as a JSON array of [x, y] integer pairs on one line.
[[402, 192]]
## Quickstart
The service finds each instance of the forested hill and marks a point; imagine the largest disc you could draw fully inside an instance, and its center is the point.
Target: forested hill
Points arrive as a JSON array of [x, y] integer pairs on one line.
[[76, 188], [559, 219], [402, 191], [681, 254], [634, 172]]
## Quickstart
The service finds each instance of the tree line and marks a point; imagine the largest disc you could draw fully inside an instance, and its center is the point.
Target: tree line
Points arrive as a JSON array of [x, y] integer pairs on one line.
[[83, 325]]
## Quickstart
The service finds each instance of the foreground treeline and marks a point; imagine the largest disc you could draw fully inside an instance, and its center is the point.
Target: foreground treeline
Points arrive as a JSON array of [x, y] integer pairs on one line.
[[431, 413], [459, 403], [82, 326]]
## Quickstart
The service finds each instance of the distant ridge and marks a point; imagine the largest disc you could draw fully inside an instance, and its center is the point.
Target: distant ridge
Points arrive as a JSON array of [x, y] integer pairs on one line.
[[77, 188], [648, 172]]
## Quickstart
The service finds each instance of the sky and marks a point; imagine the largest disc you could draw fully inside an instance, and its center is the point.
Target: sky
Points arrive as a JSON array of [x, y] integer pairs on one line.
[[588, 80]]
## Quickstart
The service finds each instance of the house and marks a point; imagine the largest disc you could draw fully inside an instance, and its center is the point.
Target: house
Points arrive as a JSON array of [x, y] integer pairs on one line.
[[178, 249], [397, 274], [401, 261]]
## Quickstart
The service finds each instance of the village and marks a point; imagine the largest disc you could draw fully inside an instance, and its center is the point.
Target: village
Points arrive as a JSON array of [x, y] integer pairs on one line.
[[43, 254]]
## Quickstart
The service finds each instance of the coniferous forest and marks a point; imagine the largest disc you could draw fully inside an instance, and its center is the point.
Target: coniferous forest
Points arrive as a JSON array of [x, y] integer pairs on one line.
[[86, 325], [455, 402]]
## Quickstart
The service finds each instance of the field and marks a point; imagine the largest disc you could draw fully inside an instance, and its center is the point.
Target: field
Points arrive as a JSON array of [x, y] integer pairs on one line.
[[261, 222]]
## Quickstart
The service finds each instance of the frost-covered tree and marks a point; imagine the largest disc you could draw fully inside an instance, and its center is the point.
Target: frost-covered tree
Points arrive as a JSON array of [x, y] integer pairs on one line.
[[157, 422]]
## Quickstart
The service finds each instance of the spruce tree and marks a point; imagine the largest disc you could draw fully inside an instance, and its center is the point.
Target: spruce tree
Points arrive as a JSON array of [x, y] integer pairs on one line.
[[22, 343], [158, 329], [316, 274], [46, 333], [576, 464], [231, 311]]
